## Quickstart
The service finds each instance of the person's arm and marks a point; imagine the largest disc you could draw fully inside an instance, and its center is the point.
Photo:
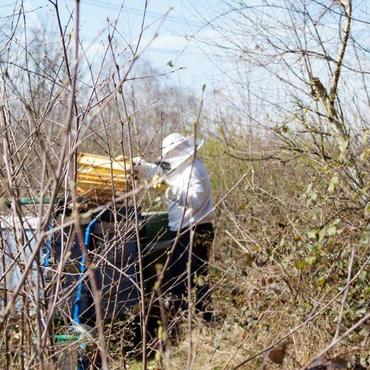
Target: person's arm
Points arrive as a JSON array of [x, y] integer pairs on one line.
[[193, 195], [145, 169]]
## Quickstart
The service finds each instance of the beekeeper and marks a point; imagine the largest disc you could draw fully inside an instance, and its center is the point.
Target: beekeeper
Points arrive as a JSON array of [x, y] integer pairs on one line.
[[188, 197]]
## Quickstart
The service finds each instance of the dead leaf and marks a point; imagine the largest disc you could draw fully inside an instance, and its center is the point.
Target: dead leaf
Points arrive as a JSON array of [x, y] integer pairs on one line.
[[337, 363], [324, 363], [318, 364], [277, 354]]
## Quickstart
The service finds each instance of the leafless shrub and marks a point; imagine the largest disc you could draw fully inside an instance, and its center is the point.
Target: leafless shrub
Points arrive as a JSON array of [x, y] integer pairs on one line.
[[288, 153]]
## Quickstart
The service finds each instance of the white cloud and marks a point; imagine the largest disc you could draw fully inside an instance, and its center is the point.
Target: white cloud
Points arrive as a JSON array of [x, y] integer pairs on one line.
[[173, 42]]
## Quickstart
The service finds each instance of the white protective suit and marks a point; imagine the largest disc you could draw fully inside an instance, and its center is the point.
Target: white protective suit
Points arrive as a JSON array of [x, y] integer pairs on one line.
[[189, 187]]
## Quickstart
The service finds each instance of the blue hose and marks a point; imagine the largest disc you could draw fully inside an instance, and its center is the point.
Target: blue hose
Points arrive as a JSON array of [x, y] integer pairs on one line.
[[77, 303], [46, 250]]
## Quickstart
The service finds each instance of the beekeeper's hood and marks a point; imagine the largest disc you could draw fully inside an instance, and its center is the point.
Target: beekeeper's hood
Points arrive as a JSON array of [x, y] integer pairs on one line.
[[177, 149]]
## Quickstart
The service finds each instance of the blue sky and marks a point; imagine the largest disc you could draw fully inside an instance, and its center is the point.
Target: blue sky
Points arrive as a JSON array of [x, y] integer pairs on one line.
[[243, 78], [174, 42]]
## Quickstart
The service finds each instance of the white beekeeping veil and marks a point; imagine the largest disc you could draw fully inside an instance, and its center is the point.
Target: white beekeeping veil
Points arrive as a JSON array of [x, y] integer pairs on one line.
[[177, 149]]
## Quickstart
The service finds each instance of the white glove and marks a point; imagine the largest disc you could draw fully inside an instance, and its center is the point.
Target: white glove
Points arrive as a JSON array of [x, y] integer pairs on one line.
[[136, 161], [144, 169], [159, 183], [171, 194]]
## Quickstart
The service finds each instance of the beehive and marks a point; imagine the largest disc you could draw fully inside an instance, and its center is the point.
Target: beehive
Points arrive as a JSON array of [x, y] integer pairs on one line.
[[98, 176]]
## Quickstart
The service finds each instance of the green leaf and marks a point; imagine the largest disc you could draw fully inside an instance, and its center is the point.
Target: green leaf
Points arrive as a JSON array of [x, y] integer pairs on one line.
[[333, 184], [365, 155], [311, 260], [367, 209], [301, 265], [361, 312], [201, 281], [312, 248], [321, 281], [311, 234], [343, 144], [331, 230]]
